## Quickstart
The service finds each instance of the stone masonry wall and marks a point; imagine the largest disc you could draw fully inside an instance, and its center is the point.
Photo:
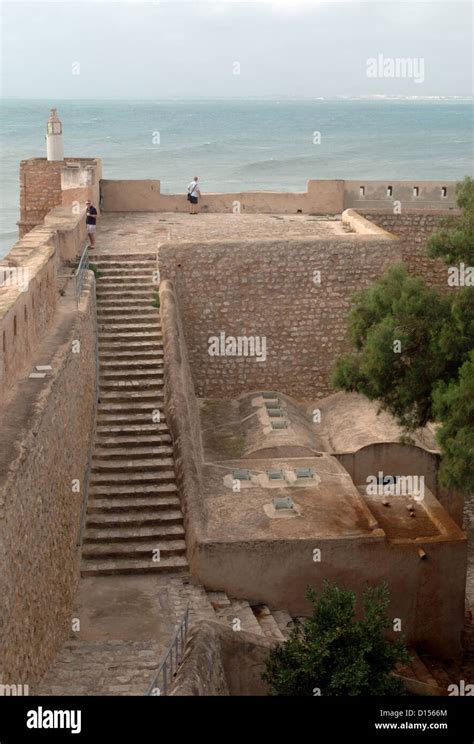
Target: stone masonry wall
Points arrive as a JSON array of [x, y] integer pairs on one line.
[[183, 417], [40, 191], [44, 448], [414, 230], [47, 184], [29, 289], [267, 288]]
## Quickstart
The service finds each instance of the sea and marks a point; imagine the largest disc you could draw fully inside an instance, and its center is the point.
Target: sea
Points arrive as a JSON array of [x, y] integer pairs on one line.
[[236, 145]]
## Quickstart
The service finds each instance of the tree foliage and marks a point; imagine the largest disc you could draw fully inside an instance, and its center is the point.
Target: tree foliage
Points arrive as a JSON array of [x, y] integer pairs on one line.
[[454, 241], [454, 406], [333, 653], [412, 347]]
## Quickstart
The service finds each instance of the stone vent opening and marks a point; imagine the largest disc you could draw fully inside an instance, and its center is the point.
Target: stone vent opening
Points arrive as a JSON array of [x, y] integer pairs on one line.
[[278, 425], [275, 474]]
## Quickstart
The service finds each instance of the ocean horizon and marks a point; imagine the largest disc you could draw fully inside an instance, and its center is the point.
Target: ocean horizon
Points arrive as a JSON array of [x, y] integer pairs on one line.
[[236, 145]]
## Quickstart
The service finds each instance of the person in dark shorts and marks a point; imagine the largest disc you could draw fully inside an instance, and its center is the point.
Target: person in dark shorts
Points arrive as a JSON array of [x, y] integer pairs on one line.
[[194, 192], [91, 222]]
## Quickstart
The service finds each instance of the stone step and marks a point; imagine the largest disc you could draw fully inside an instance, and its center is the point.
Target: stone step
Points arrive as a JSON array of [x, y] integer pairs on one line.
[[146, 397], [134, 534], [138, 267], [129, 279], [240, 610], [120, 504], [132, 453], [135, 519], [134, 328], [142, 267], [126, 356], [116, 291], [112, 362], [132, 477], [145, 549], [219, 600], [131, 465], [112, 389], [124, 407], [135, 373], [125, 258], [110, 348], [135, 294], [284, 621], [110, 393], [145, 441], [109, 567], [125, 304], [146, 333], [128, 419], [132, 429], [142, 416], [140, 315], [268, 623], [139, 408], [132, 490], [129, 389]]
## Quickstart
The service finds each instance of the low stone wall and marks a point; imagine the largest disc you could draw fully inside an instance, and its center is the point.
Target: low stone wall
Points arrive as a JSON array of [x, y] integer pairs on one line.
[[411, 196], [182, 416], [71, 231], [29, 291], [356, 223], [219, 661], [46, 437], [323, 196], [146, 196], [248, 288], [27, 304], [201, 671]]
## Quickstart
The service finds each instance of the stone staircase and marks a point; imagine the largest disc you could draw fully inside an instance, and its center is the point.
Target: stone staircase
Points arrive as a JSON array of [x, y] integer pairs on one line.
[[102, 668], [238, 614], [134, 522]]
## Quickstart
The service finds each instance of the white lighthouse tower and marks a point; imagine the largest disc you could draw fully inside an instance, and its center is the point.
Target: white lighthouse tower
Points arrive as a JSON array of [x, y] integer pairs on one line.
[[54, 137]]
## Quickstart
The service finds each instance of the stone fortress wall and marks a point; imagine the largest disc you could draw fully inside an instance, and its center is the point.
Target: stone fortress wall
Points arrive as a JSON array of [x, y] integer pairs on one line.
[[43, 454], [47, 422], [321, 197]]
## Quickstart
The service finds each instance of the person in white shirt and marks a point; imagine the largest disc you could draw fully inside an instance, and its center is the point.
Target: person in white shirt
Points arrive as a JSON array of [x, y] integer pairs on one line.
[[194, 192]]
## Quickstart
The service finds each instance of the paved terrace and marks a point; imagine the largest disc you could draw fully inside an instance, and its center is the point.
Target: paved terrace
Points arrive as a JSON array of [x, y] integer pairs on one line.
[[132, 232]]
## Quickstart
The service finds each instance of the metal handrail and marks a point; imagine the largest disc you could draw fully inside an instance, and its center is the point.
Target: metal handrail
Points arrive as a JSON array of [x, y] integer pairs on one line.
[[179, 638], [80, 273], [85, 496]]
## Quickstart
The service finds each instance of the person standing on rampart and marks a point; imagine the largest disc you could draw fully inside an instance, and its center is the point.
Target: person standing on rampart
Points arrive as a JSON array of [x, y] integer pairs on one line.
[[194, 192], [91, 222]]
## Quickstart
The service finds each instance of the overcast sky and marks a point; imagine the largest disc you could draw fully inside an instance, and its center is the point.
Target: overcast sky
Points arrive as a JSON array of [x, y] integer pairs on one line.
[[175, 49]]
